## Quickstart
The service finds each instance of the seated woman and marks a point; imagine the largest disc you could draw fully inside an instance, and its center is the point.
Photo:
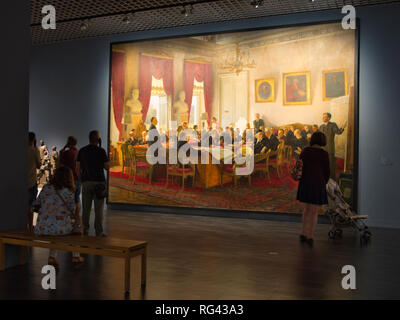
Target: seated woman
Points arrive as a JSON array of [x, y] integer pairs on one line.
[[57, 209]]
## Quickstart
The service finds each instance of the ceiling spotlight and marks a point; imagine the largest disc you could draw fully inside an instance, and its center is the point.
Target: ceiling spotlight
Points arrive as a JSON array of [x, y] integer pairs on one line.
[[187, 10], [127, 19], [257, 3], [84, 25]]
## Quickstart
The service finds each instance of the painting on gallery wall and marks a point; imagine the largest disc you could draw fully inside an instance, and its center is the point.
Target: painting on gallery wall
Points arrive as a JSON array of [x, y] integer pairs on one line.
[[187, 129], [265, 90], [334, 84], [296, 88]]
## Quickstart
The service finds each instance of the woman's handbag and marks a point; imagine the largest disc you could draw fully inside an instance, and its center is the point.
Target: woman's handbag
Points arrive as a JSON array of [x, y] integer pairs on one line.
[[76, 220], [297, 170]]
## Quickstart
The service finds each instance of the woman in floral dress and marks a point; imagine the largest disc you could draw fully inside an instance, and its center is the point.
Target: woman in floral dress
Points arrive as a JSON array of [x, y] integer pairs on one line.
[[57, 207]]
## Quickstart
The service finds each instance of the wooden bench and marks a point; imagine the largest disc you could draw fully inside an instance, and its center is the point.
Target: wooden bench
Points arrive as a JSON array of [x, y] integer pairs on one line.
[[102, 246]]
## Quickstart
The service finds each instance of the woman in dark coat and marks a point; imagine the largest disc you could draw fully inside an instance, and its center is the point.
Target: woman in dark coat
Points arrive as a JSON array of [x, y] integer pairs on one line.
[[312, 186]]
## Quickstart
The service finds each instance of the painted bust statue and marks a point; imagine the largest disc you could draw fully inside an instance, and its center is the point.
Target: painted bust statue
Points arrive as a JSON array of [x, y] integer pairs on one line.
[[181, 107], [133, 104]]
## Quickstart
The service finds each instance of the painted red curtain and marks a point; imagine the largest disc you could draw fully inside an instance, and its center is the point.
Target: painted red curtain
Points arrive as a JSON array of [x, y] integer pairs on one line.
[[159, 68], [201, 72], [118, 62]]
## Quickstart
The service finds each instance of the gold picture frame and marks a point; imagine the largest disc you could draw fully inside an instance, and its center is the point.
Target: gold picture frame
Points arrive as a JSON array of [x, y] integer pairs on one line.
[[334, 84], [297, 88], [265, 90]]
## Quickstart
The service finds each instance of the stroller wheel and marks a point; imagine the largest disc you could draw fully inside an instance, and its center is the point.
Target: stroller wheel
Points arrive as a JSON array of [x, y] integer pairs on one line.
[[331, 234], [366, 235], [339, 233]]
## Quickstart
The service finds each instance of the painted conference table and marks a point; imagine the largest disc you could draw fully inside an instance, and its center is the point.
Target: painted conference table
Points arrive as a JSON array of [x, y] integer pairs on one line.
[[207, 175]]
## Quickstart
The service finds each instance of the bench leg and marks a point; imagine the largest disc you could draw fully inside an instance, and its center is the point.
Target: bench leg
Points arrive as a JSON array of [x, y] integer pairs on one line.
[[127, 274], [2, 256], [144, 268], [22, 251]]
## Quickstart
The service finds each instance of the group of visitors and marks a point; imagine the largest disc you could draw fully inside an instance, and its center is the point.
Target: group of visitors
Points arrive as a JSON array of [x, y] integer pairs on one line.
[[58, 203]]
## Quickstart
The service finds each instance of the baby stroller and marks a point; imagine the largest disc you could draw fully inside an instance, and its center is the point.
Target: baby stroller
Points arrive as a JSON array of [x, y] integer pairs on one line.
[[341, 215]]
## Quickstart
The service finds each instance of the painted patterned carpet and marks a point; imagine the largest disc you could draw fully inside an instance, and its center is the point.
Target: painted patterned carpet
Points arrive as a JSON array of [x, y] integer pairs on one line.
[[277, 196]]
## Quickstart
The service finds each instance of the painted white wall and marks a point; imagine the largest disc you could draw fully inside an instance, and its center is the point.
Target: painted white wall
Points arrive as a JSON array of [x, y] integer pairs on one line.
[[335, 51]]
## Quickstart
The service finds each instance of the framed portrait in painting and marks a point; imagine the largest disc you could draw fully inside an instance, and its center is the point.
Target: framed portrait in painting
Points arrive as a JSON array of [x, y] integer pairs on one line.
[[265, 90], [334, 84], [296, 88]]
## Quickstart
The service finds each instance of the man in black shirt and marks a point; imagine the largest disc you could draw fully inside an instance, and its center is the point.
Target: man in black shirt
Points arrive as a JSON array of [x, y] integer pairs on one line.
[[91, 162]]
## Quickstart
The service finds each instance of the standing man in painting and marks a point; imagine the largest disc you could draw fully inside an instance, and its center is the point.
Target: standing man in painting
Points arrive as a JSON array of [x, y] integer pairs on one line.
[[258, 123], [153, 126], [330, 129]]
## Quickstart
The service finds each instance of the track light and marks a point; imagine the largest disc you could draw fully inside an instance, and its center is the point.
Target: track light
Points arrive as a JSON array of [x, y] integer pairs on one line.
[[127, 19], [84, 25], [257, 3], [187, 10]]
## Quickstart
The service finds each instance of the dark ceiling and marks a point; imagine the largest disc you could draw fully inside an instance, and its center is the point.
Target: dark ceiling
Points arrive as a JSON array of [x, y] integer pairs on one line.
[[106, 17]]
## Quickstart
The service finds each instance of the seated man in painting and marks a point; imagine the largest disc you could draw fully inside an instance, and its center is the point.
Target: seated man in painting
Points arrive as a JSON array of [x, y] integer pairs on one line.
[[215, 138], [238, 136], [288, 137], [299, 142], [196, 128], [281, 136], [272, 140], [260, 144], [132, 140], [143, 140], [306, 131]]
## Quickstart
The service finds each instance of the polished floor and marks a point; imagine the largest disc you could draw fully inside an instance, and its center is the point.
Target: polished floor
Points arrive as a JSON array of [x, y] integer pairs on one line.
[[198, 257]]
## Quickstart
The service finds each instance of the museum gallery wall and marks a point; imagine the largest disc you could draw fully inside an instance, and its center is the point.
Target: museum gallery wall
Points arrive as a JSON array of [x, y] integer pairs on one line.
[[289, 76]]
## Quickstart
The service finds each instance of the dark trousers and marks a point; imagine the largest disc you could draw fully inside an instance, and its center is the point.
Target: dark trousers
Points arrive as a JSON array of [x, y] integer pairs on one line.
[[89, 196]]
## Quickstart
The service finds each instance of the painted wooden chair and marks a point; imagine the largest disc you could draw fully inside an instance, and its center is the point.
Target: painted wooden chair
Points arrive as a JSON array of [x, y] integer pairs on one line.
[[261, 164], [287, 156], [125, 158], [230, 170], [176, 170], [274, 159], [140, 164]]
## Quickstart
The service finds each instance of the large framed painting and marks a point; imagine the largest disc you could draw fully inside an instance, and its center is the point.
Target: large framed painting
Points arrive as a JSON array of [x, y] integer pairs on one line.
[[334, 84], [296, 88], [184, 115], [265, 90]]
